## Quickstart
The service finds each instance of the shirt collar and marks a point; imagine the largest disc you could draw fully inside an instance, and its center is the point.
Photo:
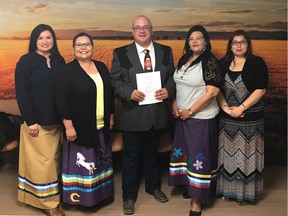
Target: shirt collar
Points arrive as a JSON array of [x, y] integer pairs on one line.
[[140, 48]]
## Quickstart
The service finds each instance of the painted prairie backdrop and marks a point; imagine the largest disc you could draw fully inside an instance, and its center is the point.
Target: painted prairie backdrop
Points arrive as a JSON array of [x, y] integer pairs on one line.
[[274, 53]]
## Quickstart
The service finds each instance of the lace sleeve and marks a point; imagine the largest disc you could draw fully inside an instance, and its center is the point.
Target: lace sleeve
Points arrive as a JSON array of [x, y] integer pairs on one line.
[[212, 72]]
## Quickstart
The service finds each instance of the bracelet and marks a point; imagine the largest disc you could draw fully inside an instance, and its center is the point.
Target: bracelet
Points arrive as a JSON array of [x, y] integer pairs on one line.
[[243, 105]]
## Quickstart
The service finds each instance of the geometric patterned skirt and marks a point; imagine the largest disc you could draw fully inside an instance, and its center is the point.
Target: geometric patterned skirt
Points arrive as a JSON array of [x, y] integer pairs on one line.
[[193, 160], [241, 159], [39, 167], [87, 173]]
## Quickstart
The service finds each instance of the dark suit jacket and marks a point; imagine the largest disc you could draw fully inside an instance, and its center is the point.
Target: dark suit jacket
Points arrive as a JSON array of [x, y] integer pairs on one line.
[[76, 100], [126, 64]]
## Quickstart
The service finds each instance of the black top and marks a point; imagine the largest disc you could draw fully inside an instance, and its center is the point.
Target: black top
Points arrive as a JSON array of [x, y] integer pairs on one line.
[[254, 76], [76, 100], [34, 83], [254, 73], [233, 75]]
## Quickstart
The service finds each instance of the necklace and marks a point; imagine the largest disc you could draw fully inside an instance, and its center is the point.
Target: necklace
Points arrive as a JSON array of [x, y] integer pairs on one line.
[[188, 63], [184, 72]]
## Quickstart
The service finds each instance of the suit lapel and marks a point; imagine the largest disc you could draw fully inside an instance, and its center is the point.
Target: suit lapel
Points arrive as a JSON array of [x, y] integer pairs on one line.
[[158, 56], [133, 57]]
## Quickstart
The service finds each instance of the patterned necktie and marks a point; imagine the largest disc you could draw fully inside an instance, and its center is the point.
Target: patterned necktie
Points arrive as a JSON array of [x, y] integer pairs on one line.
[[147, 61]]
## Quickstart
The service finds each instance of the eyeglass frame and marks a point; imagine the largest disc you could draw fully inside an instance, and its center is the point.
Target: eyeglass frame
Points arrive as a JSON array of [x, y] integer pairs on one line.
[[237, 43], [195, 39], [138, 28], [80, 45]]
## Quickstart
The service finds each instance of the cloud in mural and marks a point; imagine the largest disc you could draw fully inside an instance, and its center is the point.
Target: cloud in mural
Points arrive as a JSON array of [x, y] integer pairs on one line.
[[169, 15]]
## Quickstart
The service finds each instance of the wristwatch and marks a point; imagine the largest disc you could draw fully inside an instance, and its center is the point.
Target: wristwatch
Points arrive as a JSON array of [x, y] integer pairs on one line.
[[190, 112]]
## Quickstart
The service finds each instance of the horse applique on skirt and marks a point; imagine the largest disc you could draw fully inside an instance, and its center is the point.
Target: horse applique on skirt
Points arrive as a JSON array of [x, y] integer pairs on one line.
[[87, 174]]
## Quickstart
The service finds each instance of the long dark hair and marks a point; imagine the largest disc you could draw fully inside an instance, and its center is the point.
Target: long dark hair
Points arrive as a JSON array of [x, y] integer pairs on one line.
[[80, 35], [187, 52], [229, 56], [35, 35]]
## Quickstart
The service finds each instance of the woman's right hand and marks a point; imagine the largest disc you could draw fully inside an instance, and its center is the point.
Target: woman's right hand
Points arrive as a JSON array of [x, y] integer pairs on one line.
[[71, 134], [227, 110], [237, 112], [34, 130], [175, 109]]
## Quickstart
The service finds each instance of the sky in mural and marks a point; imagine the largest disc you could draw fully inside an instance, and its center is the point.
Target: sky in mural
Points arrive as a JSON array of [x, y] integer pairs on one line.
[[18, 17]]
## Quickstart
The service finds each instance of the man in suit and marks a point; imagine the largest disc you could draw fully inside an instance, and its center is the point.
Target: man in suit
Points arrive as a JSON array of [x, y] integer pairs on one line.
[[142, 125]]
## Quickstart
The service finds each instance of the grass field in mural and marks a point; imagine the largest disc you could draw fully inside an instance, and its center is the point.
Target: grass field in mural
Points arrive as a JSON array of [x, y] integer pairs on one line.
[[274, 53]]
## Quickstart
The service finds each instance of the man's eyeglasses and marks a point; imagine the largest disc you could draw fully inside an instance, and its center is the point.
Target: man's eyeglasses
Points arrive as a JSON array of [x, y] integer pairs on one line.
[[80, 45], [236, 43], [194, 39], [144, 28]]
